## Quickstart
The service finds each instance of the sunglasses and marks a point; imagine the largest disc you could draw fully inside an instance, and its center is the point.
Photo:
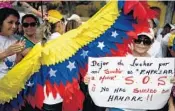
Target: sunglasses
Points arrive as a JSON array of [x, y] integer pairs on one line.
[[32, 24], [145, 40]]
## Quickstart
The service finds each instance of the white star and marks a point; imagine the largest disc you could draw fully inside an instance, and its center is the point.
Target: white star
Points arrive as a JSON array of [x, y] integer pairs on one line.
[[101, 45], [84, 53], [30, 84], [114, 34], [71, 65], [52, 72]]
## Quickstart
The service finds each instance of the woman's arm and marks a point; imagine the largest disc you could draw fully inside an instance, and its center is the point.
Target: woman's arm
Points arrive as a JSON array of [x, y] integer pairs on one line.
[[21, 55], [171, 104], [3, 55], [33, 10]]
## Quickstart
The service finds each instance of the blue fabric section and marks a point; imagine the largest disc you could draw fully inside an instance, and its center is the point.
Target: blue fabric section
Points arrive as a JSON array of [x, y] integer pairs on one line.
[[14, 104], [121, 4]]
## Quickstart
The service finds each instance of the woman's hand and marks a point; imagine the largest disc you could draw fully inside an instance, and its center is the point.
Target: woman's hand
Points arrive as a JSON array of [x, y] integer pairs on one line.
[[173, 80], [86, 79], [15, 48]]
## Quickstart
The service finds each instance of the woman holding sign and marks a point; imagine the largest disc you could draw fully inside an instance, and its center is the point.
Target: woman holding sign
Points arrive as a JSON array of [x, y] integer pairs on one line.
[[140, 48]]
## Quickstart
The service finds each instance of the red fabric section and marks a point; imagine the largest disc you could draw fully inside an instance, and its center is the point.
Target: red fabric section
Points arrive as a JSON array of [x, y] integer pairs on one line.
[[73, 97], [31, 100], [48, 87], [60, 89], [138, 28], [37, 99], [75, 103], [122, 49], [129, 5], [141, 10], [39, 96]]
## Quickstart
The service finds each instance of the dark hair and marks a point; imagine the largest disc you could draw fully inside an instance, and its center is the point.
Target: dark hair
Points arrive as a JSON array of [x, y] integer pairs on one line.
[[167, 26], [71, 24], [32, 16], [5, 12], [154, 24], [53, 26]]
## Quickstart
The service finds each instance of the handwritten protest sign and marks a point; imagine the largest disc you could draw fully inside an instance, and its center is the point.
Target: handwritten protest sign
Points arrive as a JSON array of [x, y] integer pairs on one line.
[[138, 83]]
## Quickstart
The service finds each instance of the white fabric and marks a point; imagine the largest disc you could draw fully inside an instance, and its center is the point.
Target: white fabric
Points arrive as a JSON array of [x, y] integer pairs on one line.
[[75, 17], [5, 42], [172, 26], [164, 44], [155, 50], [159, 36], [150, 34], [163, 41], [54, 36], [50, 99], [166, 38]]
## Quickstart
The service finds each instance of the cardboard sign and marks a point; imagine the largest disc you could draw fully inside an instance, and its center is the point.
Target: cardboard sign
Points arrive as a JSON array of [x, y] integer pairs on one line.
[[136, 83]]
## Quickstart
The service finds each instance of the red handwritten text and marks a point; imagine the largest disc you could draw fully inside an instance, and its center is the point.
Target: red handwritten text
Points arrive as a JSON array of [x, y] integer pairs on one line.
[[116, 71]]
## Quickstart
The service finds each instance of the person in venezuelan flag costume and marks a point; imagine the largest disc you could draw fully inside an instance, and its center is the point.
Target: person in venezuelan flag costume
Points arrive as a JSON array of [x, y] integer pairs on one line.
[[53, 102], [58, 64]]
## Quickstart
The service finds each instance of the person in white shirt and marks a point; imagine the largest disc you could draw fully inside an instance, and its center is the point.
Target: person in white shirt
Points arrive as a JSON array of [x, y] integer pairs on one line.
[[140, 48], [162, 37], [9, 46], [165, 39], [156, 49], [163, 31]]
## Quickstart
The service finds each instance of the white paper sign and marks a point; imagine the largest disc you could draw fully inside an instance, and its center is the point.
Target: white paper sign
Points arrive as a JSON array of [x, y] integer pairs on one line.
[[136, 83]]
